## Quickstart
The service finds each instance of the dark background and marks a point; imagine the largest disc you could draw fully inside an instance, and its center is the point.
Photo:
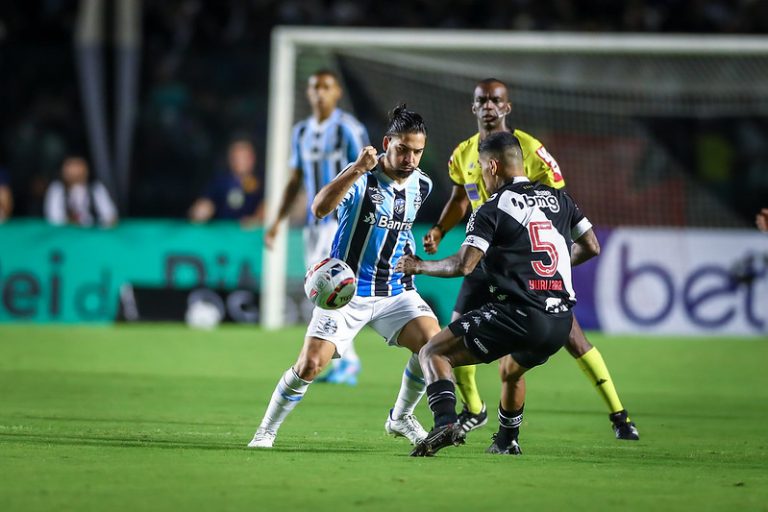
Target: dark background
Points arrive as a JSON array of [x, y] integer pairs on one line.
[[204, 78]]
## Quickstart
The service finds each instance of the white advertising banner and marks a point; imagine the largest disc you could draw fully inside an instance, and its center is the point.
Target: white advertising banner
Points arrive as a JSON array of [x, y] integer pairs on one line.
[[683, 281]]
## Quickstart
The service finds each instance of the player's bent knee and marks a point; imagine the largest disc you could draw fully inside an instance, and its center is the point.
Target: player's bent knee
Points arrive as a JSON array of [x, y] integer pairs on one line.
[[308, 367], [577, 345], [510, 370]]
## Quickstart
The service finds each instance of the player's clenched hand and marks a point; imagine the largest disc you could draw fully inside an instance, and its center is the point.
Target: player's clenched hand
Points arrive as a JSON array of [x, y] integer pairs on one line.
[[431, 240], [408, 264], [270, 235], [366, 160]]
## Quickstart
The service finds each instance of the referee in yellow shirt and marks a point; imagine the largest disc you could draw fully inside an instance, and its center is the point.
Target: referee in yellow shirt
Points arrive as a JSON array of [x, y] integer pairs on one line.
[[491, 106]]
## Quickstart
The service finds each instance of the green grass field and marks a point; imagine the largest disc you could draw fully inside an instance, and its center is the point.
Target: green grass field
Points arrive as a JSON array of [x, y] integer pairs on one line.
[[157, 418]]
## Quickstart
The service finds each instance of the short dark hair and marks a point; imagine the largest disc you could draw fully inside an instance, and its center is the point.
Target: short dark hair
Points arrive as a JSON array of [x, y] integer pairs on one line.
[[501, 146], [402, 120], [327, 72], [489, 81]]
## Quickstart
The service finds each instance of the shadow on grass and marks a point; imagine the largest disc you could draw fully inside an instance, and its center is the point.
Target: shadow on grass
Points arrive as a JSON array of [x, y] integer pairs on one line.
[[148, 442]]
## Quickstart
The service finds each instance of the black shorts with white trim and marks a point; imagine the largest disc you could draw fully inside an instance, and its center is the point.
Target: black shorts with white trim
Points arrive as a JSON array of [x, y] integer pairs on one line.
[[528, 334]]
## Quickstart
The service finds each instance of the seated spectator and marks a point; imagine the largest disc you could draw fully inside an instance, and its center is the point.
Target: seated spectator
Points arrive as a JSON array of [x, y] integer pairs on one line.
[[76, 200], [234, 194], [6, 196], [761, 219]]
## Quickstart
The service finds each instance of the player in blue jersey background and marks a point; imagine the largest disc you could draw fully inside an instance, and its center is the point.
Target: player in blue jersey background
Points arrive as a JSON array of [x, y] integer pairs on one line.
[[321, 146], [377, 198]]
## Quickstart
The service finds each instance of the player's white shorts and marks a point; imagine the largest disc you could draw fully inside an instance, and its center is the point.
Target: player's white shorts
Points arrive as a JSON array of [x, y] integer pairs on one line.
[[318, 240], [387, 316]]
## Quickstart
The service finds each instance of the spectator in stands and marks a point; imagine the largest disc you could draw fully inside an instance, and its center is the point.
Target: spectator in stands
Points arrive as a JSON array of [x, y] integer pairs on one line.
[[236, 193], [6, 196], [75, 199], [761, 220]]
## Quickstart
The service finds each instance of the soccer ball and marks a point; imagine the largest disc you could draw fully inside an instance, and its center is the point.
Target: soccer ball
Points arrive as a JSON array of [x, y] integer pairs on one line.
[[330, 284], [203, 315]]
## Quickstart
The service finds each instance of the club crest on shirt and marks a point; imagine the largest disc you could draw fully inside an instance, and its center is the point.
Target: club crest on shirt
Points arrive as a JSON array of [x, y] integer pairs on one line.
[[417, 201], [376, 196], [327, 325], [399, 205]]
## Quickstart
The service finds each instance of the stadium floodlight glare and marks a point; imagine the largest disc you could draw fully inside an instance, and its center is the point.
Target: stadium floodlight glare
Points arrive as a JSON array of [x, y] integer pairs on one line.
[[590, 84]]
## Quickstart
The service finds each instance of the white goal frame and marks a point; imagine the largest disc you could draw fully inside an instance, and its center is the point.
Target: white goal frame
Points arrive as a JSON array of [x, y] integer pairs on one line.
[[287, 40]]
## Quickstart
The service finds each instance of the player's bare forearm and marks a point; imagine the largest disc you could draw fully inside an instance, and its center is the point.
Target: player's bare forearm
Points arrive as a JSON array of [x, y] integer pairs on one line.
[[455, 209], [460, 264], [585, 248], [330, 196], [289, 195]]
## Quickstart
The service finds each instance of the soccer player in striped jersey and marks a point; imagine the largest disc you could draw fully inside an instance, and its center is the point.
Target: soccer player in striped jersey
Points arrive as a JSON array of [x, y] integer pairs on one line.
[[491, 106], [321, 146], [377, 199]]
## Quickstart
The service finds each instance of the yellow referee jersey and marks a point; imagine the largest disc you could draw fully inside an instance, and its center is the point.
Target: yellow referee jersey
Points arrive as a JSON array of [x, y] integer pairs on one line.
[[464, 166]]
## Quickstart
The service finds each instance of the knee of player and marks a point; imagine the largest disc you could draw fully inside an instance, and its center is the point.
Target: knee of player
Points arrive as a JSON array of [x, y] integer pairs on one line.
[[308, 367], [510, 371], [426, 354], [577, 345]]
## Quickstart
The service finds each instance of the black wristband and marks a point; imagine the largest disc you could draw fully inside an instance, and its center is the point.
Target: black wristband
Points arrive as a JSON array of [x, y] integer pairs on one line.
[[440, 228]]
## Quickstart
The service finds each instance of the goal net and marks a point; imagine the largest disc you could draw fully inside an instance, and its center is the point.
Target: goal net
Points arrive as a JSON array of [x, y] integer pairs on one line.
[[647, 130]]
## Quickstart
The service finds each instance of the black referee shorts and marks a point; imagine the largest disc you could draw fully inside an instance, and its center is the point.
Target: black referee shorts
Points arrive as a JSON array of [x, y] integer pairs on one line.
[[528, 334]]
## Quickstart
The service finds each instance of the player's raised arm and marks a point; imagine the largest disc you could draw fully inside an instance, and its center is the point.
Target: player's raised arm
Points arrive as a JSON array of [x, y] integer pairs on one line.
[[460, 264], [329, 197], [453, 212]]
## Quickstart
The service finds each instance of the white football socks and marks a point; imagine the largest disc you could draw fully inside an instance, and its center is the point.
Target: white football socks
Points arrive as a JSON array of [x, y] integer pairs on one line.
[[411, 389], [289, 391]]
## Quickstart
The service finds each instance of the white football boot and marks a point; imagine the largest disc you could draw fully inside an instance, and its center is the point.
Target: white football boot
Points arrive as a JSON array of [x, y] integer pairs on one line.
[[407, 426], [262, 439]]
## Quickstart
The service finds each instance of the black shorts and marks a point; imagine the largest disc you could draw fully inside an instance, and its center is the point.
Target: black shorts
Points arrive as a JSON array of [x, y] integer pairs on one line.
[[473, 292], [528, 334]]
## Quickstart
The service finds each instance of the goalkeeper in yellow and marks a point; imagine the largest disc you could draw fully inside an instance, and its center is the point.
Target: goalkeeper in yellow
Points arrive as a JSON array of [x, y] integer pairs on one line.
[[491, 106]]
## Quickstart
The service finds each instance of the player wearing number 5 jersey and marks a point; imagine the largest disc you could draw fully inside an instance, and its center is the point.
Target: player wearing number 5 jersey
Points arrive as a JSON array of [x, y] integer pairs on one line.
[[491, 106], [522, 239]]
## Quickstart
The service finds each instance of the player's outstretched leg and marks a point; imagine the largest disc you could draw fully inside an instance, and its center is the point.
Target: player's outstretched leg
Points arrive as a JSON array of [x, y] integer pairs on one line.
[[592, 364], [447, 431], [437, 359], [291, 388], [289, 391]]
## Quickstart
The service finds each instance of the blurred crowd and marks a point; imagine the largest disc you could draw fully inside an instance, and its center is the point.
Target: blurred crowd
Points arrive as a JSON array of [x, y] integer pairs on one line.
[[203, 85]]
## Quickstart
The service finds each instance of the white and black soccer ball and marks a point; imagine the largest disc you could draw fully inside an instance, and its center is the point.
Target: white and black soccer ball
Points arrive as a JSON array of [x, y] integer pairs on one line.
[[330, 284]]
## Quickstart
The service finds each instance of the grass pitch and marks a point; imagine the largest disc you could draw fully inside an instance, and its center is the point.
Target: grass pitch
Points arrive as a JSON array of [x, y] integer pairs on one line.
[[157, 418]]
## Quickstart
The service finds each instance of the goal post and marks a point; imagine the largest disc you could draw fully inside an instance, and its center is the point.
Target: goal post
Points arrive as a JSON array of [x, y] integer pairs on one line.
[[606, 105]]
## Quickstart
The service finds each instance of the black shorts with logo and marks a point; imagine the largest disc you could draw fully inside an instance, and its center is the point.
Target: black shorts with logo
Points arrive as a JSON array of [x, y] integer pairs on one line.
[[528, 334]]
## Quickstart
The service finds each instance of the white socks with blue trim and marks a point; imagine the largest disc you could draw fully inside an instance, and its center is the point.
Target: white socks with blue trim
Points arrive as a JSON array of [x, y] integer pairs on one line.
[[412, 389], [289, 391]]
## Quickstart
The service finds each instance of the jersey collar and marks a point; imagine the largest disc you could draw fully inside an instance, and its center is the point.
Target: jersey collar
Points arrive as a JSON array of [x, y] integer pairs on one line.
[[315, 126]]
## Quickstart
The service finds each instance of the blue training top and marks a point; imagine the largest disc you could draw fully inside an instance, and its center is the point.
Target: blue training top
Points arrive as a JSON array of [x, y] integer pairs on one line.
[[322, 150]]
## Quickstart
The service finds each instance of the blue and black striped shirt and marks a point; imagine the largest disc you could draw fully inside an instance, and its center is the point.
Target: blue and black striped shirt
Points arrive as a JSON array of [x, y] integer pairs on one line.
[[322, 150], [375, 221]]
